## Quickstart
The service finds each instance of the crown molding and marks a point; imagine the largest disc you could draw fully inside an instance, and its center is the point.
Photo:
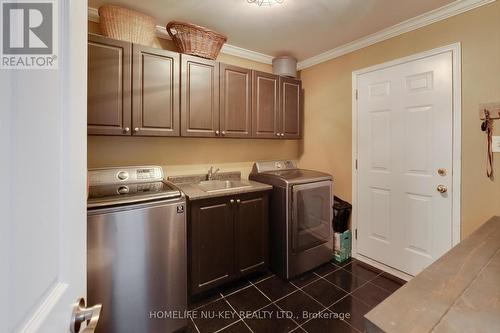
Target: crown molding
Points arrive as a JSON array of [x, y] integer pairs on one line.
[[447, 11], [247, 54], [161, 32], [450, 10]]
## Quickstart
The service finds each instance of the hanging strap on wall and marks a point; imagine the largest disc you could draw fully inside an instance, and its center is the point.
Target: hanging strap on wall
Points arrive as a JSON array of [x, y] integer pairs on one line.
[[487, 126]]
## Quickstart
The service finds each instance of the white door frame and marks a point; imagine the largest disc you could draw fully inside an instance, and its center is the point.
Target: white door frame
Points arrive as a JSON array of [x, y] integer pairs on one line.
[[457, 149]]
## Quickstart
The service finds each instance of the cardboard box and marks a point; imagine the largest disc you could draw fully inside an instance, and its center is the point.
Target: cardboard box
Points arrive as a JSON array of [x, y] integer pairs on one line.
[[342, 245]]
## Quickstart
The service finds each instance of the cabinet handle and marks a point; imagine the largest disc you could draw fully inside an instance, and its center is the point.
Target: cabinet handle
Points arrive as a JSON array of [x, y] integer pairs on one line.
[[126, 129], [282, 134], [277, 134], [231, 201], [217, 132], [223, 133], [238, 201], [136, 129]]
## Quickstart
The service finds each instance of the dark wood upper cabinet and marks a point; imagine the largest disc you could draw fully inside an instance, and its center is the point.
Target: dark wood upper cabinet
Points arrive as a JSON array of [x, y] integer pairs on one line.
[[290, 107], [199, 97], [251, 234], [144, 91], [211, 244], [108, 86], [265, 105], [155, 99], [235, 101]]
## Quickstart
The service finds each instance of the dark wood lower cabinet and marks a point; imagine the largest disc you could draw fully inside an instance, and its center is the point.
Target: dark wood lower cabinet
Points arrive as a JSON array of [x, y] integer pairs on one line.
[[211, 231], [227, 239], [251, 234]]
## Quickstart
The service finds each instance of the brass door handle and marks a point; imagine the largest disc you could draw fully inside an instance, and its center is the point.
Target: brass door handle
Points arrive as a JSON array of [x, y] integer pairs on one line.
[[442, 189], [83, 314]]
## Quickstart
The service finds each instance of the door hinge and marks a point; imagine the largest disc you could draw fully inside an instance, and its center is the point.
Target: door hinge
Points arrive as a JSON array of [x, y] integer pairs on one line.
[[356, 163], [356, 92], [356, 233]]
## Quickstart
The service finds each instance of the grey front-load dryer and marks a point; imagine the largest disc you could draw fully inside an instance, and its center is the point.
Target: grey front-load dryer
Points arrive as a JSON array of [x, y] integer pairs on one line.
[[301, 235]]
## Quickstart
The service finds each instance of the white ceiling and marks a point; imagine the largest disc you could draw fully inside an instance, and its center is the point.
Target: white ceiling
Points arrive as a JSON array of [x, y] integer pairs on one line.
[[302, 28]]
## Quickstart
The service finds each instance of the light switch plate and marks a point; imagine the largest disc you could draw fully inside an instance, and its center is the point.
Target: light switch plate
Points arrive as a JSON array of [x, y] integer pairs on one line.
[[496, 144]]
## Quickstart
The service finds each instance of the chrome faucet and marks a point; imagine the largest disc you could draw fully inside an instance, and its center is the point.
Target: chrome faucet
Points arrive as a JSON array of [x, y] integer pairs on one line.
[[211, 173]]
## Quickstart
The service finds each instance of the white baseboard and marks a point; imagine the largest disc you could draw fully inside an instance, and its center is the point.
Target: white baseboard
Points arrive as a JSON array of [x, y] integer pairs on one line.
[[383, 267]]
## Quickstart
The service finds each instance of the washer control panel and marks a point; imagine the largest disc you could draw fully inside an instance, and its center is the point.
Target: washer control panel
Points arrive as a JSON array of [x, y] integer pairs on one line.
[[126, 175]]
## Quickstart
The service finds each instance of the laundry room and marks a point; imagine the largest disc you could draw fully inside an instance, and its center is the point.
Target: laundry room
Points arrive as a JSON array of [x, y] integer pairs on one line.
[[250, 166]]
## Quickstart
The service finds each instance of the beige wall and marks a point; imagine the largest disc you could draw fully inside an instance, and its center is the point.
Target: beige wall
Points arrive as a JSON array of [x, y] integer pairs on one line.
[[188, 155], [328, 126]]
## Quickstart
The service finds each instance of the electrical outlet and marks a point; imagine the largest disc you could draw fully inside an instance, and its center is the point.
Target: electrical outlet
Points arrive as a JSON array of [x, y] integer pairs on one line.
[[496, 144]]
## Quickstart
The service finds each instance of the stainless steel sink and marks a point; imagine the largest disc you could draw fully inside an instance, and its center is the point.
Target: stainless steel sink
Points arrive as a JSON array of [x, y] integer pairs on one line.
[[222, 185]]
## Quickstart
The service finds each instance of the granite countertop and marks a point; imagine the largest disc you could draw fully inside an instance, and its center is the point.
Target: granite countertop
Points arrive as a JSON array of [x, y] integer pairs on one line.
[[460, 292], [187, 184]]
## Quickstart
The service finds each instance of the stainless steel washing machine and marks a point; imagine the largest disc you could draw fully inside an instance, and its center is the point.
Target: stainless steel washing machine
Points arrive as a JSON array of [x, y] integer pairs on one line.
[[136, 250], [301, 235]]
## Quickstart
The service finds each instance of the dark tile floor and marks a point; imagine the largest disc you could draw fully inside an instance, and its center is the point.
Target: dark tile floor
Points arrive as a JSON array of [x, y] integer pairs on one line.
[[331, 298]]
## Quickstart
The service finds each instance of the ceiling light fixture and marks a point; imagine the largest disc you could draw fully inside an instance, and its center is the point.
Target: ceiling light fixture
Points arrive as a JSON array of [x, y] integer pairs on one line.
[[267, 3]]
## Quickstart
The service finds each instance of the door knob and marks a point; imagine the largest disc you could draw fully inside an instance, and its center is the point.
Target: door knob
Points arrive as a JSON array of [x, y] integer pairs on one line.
[[442, 189], [442, 172], [223, 133], [126, 129], [136, 129], [83, 314]]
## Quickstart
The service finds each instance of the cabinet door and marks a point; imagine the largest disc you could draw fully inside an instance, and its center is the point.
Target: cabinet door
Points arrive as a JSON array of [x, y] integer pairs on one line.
[[199, 97], [290, 106], [211, 244], [155, 86], [108, 86], [265, 105], [251, 233], [235, 101]]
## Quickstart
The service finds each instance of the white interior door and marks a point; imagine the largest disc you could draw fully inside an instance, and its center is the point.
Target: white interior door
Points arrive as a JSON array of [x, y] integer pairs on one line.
[[43, 196], [405, 151]]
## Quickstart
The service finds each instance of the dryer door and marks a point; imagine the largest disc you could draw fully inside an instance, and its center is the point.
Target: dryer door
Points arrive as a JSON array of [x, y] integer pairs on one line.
[[312, 214]]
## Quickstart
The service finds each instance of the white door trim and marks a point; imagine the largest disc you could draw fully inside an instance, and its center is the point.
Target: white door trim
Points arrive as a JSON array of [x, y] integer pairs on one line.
[[457, 135]]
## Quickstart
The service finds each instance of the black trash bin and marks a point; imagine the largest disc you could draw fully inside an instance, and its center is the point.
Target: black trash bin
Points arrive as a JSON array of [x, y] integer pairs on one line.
[[341, 213]]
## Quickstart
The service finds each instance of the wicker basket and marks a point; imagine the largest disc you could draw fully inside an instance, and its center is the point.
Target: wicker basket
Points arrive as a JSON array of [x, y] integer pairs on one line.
[[195, 40], [126, 24]]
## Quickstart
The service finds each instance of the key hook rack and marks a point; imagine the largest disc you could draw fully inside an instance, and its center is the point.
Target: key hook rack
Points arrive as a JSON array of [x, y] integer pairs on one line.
[[488, 113], [489, 110]]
